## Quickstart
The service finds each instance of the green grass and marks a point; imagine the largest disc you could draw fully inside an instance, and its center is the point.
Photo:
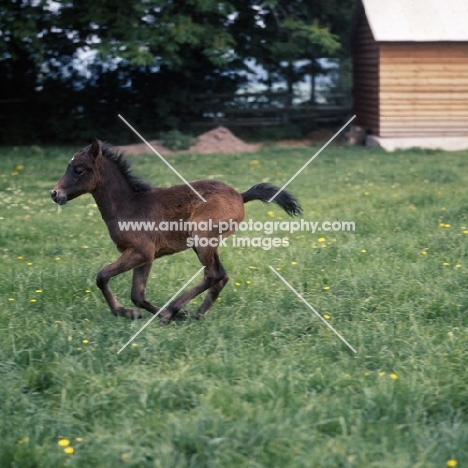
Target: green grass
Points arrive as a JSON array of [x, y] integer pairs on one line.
[[261, 382]]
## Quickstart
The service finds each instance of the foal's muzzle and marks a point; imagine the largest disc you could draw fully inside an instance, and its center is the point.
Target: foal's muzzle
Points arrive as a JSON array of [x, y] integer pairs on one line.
[[58, 197]]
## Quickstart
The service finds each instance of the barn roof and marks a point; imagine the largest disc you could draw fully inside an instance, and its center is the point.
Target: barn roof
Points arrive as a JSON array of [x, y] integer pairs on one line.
[[417, 20]]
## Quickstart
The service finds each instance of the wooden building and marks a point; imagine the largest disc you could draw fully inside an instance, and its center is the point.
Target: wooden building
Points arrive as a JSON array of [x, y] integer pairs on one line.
[[411, 72]]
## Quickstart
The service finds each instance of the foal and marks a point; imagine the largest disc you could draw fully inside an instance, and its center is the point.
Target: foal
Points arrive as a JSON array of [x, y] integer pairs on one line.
[[120, 196]]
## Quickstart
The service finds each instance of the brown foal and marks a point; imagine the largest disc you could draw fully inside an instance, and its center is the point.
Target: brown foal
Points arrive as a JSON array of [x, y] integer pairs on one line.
[[120, 196]]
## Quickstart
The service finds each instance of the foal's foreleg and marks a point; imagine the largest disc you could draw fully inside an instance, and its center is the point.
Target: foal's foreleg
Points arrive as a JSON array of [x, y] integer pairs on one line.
[[140, 277], [127, 261]]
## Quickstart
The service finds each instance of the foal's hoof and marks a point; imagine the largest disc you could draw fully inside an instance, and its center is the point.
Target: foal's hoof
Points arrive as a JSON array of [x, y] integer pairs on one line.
[[128, 313], [166, 318], [185, 315]]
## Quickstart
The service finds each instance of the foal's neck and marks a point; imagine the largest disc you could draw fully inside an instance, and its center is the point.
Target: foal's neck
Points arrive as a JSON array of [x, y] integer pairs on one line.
[[112, 190]]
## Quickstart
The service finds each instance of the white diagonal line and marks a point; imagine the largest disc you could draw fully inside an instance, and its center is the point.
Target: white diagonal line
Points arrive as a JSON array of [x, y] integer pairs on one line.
[[311, 159], [160, 310], [312, 309], [162, 159]]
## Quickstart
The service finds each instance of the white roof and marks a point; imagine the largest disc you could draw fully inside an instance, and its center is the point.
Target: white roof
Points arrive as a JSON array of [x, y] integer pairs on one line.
[[417, 20]]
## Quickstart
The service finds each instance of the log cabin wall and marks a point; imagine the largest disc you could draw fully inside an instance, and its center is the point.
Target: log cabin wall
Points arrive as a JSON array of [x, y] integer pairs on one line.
[[423, 89]]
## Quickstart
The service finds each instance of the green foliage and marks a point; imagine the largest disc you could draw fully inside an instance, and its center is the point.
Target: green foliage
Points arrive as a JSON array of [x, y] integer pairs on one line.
[[261, 381], [151, 60], [176, 140]]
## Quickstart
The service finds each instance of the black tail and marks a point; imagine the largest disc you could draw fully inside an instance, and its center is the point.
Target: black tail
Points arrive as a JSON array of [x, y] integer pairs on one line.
[[264, 193]]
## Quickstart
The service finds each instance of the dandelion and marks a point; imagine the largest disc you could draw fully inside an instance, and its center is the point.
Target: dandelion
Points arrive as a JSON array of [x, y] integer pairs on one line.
[[326, 288], [293, 263], [423, 252], [252, 267], [447, 226], [442, 224], [57, 258], [79, 439], [125, 457], [457, 265], [219, 299], [24, 440], [64, 442], [20, 257], [465, 232], [19, 167], [85, 341], [322, 239], [237, 284], [38, 290], [363, 250], [15, 173], [254, 162], [382, 373], [33, 300], [394, 376], [446, 264], [366, 194], [326, 316], [271, 214], [452, 463], [29, 263], [314, 246], [11, 299], [367, 374], [69, 450], [278, 269], [134, 345], [248, 282], [87, 291]]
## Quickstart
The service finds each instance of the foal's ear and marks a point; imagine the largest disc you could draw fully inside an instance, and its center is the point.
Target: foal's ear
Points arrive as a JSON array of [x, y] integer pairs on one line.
[[95, 148]]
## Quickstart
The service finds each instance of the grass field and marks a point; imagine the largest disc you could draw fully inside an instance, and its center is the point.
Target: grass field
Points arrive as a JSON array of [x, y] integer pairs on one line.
[[262, 382]]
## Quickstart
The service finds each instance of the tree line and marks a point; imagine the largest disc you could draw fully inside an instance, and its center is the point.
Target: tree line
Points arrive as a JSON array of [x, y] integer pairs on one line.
[[68, 67]]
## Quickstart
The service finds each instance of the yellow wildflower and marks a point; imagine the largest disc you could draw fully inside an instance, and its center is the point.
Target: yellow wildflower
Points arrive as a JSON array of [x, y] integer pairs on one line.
[[64, 442]]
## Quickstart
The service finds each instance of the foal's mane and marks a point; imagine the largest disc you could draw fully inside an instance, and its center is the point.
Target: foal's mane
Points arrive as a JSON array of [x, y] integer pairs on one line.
[[135, 182]]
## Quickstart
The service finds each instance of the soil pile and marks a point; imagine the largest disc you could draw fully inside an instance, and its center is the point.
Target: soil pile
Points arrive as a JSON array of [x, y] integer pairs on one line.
[[218, 140], [221, 140]]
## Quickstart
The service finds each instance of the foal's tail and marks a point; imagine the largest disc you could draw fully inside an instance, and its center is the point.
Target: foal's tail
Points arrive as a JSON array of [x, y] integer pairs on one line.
[[264, 193]]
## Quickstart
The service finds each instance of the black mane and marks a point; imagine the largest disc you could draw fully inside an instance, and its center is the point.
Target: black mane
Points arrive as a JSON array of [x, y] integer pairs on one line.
[[135, 182]]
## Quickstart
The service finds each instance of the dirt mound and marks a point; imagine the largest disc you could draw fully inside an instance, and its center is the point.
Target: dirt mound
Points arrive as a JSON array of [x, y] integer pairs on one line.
[[218, 140], [221, 140]]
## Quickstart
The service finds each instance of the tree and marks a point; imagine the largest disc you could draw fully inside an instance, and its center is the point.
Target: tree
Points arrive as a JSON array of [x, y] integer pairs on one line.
[[151, 58]]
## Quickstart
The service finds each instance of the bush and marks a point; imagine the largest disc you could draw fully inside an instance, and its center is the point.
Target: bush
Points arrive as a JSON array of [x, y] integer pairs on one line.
[[176, 141]]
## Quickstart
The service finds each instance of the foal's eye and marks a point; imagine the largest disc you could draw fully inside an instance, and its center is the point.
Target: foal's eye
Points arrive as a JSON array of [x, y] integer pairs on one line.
[[78, 170]]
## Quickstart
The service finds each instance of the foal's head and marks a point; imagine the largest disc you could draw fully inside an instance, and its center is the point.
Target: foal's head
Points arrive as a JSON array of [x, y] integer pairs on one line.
[[81, 175]]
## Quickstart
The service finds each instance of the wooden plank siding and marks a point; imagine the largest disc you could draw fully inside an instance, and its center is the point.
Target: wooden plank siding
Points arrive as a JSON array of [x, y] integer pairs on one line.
[[366, 77], [409, 89], [423, 89]]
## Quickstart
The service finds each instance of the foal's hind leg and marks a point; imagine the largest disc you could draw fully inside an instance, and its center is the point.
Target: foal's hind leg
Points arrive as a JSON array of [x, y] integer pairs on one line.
[[211, 276], [140, 277], [215, 290], [129, 260]]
